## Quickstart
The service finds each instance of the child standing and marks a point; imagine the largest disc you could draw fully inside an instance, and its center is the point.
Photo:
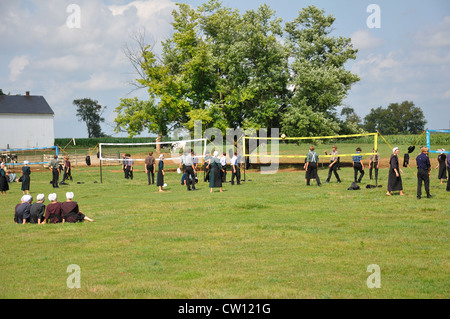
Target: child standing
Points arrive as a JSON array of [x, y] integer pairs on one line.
[[358, 166]]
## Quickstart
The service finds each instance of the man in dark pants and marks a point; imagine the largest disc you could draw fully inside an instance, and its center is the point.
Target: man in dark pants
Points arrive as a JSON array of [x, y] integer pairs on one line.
[[358, 166], [54, 167], [150, 168], [423, 172], [190, 171], [333, 165], [236, 171], [374, 164], [311, 166]]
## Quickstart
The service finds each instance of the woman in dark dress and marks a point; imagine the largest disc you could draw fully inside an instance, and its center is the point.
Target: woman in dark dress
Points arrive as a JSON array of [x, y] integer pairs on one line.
[[160, 176], [215, 178], [395, 180], [37, 210], [26, 172], [53, 210], [4, 186], [70, 211], [441, 165]]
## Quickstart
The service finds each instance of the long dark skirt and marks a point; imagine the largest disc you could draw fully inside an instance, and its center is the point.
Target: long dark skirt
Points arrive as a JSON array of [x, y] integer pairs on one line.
[[442, 171], [4, 186], [160, 179], [215, 178], [26, 182], [394, 182]]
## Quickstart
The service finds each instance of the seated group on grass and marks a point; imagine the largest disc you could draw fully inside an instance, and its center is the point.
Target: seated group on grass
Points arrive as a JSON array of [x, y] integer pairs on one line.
[[55, 212]]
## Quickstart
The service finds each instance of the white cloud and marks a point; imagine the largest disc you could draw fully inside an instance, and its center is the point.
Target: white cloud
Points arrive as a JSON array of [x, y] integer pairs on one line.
[[16, 66], [435, 36], [364, 40]]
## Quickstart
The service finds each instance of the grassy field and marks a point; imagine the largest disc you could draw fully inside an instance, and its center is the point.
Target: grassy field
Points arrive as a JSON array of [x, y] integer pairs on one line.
[[271, 237]]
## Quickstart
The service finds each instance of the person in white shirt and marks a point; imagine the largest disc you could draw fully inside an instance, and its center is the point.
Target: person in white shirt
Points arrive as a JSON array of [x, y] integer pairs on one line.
[[236, 172], [223, 162]]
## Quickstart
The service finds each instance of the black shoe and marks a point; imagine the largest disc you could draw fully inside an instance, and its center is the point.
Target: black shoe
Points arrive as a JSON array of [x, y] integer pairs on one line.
[[326, 182], [418, 197], [429, 196], [319, 185], [339, 182]]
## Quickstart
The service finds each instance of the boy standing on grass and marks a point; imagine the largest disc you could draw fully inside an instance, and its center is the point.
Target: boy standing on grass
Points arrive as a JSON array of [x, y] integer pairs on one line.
[[358, 166], [311, 166], [333, 164]]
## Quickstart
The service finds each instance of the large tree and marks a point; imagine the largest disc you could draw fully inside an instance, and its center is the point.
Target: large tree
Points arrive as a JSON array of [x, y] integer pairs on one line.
[[403, 118], [318, 76], [90, 112], [235, 70]]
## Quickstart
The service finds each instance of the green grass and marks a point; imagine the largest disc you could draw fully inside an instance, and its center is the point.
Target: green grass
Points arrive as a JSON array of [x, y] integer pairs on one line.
[[271, 237]]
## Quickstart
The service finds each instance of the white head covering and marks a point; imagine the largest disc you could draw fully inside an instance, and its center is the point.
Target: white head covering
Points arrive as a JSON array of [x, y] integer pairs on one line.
[[26, 162], [394, 149], [52, 197], [40, 197], [27, 198], [69, 195], [161, 156], [216, 153], [443, 150]]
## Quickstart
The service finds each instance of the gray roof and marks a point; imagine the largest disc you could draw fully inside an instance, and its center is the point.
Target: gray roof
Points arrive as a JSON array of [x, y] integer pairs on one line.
[[21, 104]]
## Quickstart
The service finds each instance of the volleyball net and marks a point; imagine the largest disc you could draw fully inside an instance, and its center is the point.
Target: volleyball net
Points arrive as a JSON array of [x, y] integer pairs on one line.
[[436, 140], [172, 150], [292, 149]]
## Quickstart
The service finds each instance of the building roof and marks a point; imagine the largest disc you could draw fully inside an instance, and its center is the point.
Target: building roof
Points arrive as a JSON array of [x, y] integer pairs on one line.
[[24, 104]]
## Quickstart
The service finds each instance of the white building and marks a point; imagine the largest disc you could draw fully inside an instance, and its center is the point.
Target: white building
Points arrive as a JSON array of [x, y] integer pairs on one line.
[[26, 121]]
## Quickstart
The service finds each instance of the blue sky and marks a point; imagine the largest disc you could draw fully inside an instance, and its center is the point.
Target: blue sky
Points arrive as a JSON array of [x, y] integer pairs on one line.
[[407, 58]]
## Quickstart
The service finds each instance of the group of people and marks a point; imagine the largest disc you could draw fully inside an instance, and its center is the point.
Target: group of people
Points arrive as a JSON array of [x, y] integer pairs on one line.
[[8, 176], [214, 169], [394, 179], [56, 168], [55, 212], [312, 160]]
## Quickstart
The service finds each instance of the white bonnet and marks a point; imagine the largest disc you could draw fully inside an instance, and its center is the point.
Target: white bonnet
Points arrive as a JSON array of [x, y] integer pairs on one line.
[[27, 198], [52, 197], [69, 195], [394, 149], [40, 197]]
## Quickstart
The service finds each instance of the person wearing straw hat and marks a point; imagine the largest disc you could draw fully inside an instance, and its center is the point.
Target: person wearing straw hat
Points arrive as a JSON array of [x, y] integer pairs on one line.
[[160, 175], [423, 172], [442, 174], [26, 172], [394, 179]]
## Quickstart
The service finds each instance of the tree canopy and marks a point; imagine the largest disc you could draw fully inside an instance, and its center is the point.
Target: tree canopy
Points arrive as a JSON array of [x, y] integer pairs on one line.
[[90, 111], [403, 118], [243, 71]]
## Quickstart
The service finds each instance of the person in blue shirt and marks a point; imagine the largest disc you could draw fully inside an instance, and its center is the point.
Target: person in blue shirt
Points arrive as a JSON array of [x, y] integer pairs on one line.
[[358, 166], [26, 178], [423, 172]]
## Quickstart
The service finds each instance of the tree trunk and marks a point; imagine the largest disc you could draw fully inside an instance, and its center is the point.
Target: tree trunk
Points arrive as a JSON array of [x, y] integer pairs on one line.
[[158, 146]]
